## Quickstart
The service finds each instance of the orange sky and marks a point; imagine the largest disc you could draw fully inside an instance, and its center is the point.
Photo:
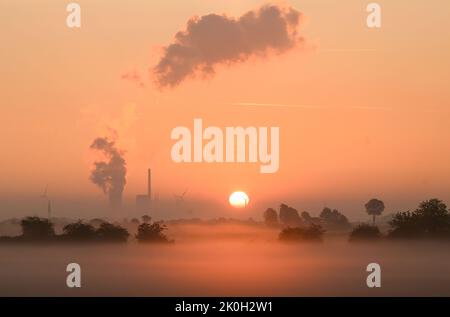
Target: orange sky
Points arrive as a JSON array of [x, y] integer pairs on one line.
[[379, 127]]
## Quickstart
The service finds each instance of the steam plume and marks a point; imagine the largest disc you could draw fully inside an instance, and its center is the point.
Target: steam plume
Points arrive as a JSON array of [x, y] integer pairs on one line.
[[214, 39], [109, 175]]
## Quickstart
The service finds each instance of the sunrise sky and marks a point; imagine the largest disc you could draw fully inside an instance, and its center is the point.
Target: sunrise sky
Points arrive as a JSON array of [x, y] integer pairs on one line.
[[377, 121]]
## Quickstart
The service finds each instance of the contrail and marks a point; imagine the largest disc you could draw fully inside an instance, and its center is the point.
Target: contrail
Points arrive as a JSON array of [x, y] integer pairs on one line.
[[305, 106], [325, 107], [346, 50]]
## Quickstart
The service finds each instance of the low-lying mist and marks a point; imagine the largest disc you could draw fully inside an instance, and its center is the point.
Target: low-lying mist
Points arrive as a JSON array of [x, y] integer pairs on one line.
[[227, 260]]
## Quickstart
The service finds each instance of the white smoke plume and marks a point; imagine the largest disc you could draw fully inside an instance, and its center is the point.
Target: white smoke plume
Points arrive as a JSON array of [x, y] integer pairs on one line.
[[109, 175], [215, 39]]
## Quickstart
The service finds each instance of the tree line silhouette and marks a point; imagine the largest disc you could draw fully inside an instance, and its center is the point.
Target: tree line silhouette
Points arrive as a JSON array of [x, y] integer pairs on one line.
[[304, 227], [35, 229], [431, 220]]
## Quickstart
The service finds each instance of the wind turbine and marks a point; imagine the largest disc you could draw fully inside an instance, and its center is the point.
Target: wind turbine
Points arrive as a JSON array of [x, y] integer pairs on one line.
[[49, 203], [179, 199]]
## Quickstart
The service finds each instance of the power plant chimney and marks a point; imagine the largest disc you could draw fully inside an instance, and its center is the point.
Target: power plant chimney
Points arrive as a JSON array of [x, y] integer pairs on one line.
[[49, 209], [144, 202], [149, 184]]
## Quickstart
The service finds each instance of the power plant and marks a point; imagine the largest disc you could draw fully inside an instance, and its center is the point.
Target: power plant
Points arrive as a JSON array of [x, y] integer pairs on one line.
[[144, 202]]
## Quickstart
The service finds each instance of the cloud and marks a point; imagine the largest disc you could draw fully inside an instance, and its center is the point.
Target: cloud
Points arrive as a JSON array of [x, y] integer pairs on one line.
[[215, 39]]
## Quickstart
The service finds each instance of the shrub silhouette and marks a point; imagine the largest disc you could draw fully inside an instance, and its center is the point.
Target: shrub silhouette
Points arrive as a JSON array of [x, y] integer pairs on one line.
[[430, 220], [365, 232], [112, 233], [39, 229], [311, 233], [35, 228], [79, 231], [152, 232]]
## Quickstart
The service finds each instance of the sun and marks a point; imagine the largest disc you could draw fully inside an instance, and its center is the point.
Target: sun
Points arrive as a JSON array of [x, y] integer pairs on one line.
[[238, 199]]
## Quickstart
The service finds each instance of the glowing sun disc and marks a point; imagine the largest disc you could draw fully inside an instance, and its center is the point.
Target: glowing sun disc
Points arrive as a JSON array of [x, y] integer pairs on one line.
[[238, 199]]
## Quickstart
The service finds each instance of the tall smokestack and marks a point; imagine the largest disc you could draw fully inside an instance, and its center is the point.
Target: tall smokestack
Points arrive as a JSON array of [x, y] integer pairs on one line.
[[149, 185]]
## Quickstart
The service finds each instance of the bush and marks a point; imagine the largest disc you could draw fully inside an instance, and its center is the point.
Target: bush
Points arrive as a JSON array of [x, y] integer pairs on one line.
[[40, 229], [112, 233], [35, 228], [365, 232], [152, 232], [430, 220], [79, 231], [311, 233]]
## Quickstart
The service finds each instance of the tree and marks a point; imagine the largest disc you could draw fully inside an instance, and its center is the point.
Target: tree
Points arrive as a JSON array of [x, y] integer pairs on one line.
[[146, 218], [365, 232], [271, 217], [35, 228], [79, 231], [326, 213], [306, 216], [431, 219], [311, 233], [334, 219], [289, 216], [112, 233], [152, 232], [374, 207]]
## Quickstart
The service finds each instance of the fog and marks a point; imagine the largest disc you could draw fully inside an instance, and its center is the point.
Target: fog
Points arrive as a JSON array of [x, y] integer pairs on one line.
[[227, 260]]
